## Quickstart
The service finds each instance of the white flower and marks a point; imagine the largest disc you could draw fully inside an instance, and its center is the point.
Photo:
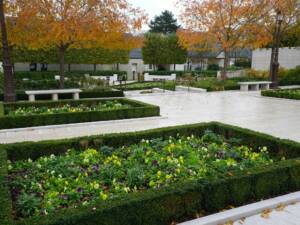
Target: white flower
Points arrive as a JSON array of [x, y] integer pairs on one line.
[[52, 172], [9, 167], [29, 160], [39, 166], [52, 156]]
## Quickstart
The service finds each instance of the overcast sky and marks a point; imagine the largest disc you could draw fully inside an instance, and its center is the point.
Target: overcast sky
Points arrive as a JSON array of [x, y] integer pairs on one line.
[[155, 7]]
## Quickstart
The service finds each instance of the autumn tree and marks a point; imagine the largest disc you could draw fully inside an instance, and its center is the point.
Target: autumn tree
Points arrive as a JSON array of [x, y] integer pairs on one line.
[[219, 24], [287, 33], [13, 14], [66, 24], [164, 23], [9, 92]]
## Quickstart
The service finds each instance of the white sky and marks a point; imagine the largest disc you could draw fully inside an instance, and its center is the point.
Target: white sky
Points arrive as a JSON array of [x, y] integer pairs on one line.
[[155, 7]]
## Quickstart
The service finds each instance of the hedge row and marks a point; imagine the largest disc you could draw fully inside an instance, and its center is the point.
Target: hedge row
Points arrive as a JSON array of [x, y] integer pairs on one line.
[[167, 85], [41, 75], [290, 94], [178, 202], [137, 110], [21, 96]]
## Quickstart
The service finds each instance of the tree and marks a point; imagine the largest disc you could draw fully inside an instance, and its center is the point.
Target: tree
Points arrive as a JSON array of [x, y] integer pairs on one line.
[[220, 24], [9, 91], [165, 23], [66, 24], [279, 26], [163, 49]]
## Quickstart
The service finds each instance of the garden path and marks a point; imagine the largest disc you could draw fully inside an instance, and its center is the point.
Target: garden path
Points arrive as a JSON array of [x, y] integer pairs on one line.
[[278, 117]]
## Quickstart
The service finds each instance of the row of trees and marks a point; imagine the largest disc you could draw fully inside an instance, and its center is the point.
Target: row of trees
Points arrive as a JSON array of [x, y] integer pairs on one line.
[[234, 24], [64, 25], [161, 45]]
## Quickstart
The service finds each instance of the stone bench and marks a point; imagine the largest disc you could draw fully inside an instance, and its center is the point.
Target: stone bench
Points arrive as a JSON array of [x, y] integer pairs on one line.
[[54, 93], [255, 85]]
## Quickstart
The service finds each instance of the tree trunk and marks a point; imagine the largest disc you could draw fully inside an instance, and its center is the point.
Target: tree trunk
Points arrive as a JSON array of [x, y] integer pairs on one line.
[[225, 66], [271, 74], [62, 51], [95, 67], [9, 88]]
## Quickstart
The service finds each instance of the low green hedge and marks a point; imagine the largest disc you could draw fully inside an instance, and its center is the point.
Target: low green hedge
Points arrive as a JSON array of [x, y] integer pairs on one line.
[[290, 94], [41, 75], [177, 202], [137, 110], [21, 96], [168, 85], [292, 77]]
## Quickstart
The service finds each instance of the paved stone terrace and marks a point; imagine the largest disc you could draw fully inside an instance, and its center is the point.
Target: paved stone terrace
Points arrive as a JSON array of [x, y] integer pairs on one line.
[[278, 117]]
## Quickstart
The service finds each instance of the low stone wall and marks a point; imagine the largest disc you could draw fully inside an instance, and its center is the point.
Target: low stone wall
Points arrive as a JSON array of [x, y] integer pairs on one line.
[[148, 77], [232, 74]]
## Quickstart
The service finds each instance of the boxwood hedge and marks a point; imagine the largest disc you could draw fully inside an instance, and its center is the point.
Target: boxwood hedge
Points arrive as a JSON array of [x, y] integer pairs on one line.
[[174, 203], [84, 94], [289, 93], [137, 110]]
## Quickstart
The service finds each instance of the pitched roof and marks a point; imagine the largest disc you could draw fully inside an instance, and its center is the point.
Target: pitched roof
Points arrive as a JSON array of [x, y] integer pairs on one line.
[[136, 54]]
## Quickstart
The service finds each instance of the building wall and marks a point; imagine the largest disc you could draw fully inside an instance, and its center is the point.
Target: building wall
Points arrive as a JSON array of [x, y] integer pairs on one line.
[[288, 58], [133, 68]]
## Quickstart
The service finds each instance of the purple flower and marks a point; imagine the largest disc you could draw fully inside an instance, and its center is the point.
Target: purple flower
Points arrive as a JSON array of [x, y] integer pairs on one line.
[[79, 190]]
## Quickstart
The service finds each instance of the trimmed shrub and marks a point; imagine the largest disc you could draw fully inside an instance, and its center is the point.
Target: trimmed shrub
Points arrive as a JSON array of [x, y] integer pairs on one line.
[[289, 94], [42, 75], [177, 202], [214, 67], [292, 77], [21, 96], [137, 110]]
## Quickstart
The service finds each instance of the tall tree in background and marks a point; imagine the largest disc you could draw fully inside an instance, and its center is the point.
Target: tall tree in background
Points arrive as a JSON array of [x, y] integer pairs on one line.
[[224, 24], [161, 49], [75, 24], [165, 23], [9, 91]]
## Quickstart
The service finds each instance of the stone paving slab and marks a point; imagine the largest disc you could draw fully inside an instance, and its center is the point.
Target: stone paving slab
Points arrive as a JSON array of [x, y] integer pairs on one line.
[[277, 117], [284, 210]]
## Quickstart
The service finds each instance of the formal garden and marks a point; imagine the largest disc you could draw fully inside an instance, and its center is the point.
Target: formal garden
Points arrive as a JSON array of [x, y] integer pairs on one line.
[[198, 168], [104, 123]]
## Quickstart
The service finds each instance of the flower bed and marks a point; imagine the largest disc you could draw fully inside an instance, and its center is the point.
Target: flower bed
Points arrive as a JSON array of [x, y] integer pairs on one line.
[[286, 93], [125, 179], [28, 114], [78, 179], [67, 108]]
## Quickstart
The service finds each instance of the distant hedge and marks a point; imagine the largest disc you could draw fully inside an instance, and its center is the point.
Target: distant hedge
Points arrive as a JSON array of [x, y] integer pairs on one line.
[[41, 75], [137, 110], [289, 93], [292, 77], [178, 202], [84, 94]]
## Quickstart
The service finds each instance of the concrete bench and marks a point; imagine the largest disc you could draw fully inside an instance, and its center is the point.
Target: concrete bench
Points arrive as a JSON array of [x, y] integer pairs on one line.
[[54, 93], [255, 85]]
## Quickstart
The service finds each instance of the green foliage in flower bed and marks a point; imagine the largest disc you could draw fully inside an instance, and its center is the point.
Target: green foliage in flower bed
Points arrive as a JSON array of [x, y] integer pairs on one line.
[[67, 108], [287, 93], [176, 202], [133, 109], [78, 179], [168, 85], [95, 93]]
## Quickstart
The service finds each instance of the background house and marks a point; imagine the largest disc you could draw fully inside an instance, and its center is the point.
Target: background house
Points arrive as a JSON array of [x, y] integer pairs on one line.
[[201, 60]]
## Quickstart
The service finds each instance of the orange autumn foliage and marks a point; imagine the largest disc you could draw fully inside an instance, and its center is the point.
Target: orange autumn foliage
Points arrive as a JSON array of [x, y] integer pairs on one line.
[[64, 24]]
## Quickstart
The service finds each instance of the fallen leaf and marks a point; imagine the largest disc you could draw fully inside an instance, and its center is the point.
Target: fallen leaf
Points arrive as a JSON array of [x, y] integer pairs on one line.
[[280, 207], [242, 220], [266, 213]]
